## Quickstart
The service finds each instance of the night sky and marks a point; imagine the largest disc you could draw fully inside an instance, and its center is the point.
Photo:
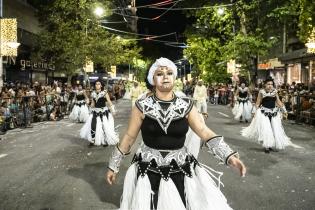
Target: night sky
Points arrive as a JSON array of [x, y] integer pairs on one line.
[[172, 21]]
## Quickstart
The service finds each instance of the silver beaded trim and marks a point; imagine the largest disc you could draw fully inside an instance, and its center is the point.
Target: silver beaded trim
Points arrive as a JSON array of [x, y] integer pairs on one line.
[[177, 109], [148, 153], [115, 160], [220, 149]]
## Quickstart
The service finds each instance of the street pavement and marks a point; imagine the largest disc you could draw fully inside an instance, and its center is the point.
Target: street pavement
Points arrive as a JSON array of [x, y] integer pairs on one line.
[[50, 167]]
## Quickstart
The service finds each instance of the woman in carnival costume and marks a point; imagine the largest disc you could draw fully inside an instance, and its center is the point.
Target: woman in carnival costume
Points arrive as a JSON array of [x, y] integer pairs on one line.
[[99, 129], [242, 110], [266, 126], [80, 110], [164, 175]]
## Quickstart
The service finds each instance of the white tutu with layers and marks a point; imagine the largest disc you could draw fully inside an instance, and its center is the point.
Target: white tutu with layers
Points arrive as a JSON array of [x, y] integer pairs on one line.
[[104, 133], [127, 95], [242, 110], [269, 133], [201, 192], [79, 113]]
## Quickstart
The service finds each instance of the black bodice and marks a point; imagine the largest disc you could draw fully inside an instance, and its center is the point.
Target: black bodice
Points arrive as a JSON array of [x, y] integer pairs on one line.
[[243, 94], [269, 102], [154, 137], [80, 97], [165, 124], [100, 103]]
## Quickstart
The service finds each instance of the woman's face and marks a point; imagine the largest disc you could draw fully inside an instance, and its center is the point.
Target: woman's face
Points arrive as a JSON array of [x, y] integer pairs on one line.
[[98, 86], [269, 85], [163, 79]]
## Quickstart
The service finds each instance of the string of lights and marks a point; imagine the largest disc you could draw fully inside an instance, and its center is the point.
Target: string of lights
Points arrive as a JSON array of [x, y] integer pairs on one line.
[[137, 34], [192, 8], [154, 18], [150, 5], [180, 8], [148, 37]]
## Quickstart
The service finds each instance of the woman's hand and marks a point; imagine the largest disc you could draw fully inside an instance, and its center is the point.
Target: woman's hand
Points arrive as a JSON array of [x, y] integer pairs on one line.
[[237, 164], [111, 177]]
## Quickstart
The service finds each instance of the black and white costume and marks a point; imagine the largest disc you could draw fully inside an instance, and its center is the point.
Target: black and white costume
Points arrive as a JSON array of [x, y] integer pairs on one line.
[[266, 127], [80, 111], [99, 129], [163, 174], [243, 106]]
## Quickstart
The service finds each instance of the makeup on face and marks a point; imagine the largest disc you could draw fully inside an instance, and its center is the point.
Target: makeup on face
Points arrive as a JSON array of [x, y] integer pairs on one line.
[[164, 78]]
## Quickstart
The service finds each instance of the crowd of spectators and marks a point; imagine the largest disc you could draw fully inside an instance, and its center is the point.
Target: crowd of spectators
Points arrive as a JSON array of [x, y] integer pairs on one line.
[[299, 99], [22, 104]]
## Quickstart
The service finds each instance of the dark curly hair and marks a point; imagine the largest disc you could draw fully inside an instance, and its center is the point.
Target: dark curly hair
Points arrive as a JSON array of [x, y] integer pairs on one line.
[[100, 81], [269, 79]]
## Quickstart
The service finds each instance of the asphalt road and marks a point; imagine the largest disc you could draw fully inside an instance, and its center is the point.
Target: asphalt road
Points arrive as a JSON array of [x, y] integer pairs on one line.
[[50, 167]]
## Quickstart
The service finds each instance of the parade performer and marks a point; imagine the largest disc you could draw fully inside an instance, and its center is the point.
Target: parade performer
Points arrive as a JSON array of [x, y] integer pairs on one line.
[[99, 129], [164, 175], [200, 96], [80, 110], [135, 92], [266, 126], [242, 110]]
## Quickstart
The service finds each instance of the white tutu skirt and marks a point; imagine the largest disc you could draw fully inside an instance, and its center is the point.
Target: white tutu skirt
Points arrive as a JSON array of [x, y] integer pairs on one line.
[[79, 113], [201, 192], [104, 132], [127, 95], [242, 111], [269, 133]]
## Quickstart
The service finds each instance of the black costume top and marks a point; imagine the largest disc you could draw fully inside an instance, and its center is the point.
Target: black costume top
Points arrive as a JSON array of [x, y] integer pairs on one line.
[[268, 98], [165, 124], [243, 92], [99, 99], [80, 96]]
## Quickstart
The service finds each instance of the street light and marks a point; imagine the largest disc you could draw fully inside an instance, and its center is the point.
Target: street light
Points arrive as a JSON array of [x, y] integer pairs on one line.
[[99, 11], [221, 11]]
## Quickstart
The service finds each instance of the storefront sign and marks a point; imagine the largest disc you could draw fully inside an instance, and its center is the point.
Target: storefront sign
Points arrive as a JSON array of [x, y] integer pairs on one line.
[[41, 66], [270, 64]]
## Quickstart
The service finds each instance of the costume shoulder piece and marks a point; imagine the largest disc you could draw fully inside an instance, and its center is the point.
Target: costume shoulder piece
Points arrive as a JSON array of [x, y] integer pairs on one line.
[[164, 112], [263, 92], [245, 89], [96, 95]]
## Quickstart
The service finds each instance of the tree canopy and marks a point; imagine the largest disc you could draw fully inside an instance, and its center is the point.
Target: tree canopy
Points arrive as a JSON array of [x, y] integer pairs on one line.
[[72, 35]]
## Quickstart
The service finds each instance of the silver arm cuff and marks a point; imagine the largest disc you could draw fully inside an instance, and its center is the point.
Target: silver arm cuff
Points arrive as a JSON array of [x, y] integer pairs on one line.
[[115, 160], [283, 109], [220, 149]]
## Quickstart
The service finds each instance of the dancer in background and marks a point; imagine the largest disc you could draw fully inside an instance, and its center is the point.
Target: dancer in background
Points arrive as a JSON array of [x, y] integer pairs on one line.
[[80, 110], [266, 126], [99, 129], [164, 175], [242, 110], [200, 96]]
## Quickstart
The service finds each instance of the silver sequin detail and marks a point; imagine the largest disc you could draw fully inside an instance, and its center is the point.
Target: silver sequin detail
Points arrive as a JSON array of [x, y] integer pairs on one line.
[[220, 149], [176, 110], [99, 95], [115, 160], [148, 153], [273, 93]]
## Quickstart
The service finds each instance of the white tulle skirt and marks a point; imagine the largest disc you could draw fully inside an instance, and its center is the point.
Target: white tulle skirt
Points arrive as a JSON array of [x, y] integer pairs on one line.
[[104, 133], [242, 111], [201, 192], [79, 113], [269, 133], [127, 95]]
